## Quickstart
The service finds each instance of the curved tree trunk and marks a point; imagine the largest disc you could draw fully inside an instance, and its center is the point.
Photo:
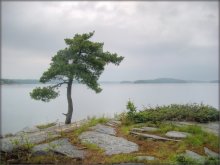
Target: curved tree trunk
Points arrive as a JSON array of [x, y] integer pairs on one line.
[[70, 102]]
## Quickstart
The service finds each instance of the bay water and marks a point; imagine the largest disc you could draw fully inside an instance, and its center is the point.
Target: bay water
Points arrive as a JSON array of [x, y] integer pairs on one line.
[[18, 110]]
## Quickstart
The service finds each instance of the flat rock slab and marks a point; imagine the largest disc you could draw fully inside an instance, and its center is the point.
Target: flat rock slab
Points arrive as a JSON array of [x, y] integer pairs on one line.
[[152, 136], [210, 153], [150, 128], [62, 127], [111, 144], [211, 127], [142, 158], [177, 134], [143, 129], [62, 146], [103, 129], [34, 138]]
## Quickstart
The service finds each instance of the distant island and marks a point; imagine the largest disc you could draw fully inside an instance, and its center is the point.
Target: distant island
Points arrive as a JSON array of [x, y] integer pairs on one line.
[[23, 81], [19, 81], [161, 80], [166, 80], [158, 80]]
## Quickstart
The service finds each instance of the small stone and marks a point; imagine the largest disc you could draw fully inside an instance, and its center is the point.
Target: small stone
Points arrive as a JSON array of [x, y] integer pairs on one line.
[[104, 129], [145, 129], [142, 158], [210, 153], [176, 134]]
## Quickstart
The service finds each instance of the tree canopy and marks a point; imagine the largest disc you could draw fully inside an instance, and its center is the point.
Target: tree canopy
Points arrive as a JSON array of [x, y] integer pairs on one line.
[[82, 60]]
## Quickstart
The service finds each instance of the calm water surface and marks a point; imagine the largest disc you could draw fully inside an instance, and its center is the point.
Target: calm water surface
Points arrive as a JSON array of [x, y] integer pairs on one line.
[[18, 110]]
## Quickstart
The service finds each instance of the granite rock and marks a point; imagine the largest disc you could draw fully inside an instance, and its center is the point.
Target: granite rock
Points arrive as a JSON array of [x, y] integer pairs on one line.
[[142, 158], [111, 144], [62, 146], [104, 129]]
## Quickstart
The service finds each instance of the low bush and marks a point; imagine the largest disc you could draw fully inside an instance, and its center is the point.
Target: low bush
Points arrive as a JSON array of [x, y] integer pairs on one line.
[[174, 112]]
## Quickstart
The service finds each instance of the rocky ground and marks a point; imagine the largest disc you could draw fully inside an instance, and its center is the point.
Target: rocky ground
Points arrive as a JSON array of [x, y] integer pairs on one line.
[[104, 136]]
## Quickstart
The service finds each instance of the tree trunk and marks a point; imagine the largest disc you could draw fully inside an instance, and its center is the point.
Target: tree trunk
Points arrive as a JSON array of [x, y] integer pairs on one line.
[[70, 102]]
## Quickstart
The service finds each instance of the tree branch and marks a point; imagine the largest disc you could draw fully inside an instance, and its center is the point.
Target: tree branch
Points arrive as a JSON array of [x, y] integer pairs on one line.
[[59, 84]]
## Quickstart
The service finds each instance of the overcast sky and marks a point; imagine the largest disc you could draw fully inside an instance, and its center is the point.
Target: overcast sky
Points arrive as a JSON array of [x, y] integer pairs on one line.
[[157, 39]]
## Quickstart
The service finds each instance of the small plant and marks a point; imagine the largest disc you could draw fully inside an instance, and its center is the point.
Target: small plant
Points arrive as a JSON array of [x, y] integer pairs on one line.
[[128, 117], [93, 147], [27, 144], [22, 142], [22, 147], [131, 107], [126, 129], [15, 142], [183, 160]]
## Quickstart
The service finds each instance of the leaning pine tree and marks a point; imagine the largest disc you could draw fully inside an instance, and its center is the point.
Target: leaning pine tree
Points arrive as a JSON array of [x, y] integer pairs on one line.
[[82, 60]]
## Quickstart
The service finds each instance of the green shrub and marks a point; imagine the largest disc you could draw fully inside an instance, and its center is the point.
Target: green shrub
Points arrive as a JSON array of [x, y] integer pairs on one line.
[[131, 109], [174, 112]]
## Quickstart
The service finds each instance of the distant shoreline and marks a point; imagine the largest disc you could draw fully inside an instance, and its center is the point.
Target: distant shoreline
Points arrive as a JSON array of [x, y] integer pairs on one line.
[[152, 81]]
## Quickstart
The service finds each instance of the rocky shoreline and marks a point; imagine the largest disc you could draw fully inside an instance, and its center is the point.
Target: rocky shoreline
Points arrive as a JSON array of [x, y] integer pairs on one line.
[[104, 136]]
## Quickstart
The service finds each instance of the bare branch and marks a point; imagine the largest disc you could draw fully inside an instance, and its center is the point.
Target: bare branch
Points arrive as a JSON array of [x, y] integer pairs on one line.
[[64, 114]]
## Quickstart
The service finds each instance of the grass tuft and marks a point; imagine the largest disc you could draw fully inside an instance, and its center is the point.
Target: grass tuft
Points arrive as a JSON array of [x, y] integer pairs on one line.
[[44, 126], [120, 158], [93, 147], [91, 122]]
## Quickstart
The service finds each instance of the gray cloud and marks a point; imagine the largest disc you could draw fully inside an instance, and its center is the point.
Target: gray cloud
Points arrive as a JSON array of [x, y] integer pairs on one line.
[[158, 39]]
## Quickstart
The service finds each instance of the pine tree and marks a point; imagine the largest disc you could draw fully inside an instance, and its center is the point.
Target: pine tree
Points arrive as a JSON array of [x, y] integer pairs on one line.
[[83, 61]]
